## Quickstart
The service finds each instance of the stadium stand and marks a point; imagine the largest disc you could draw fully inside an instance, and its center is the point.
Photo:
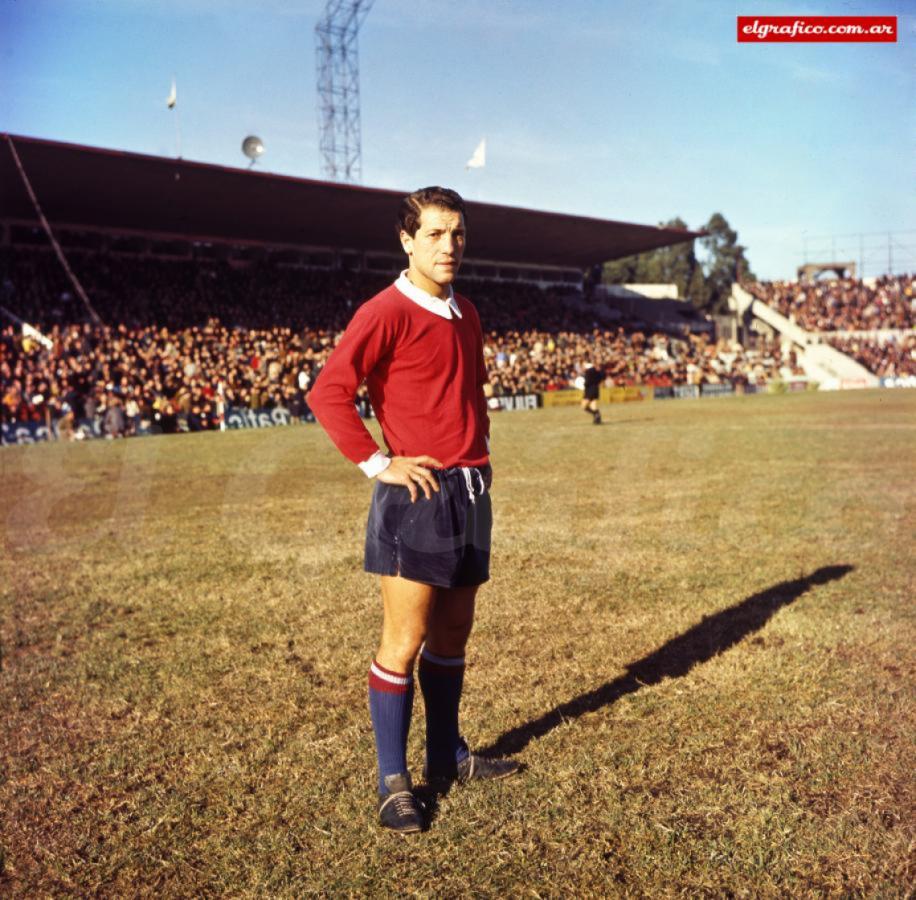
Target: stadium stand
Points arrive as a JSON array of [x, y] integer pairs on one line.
[[534, 360], [201, 314], [870, 321], [139, 291], [888, 358], [843, 304], [169, 361], [821, 360]]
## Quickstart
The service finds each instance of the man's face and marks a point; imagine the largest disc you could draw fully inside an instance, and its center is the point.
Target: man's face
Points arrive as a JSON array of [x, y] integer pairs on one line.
[[435, 251]]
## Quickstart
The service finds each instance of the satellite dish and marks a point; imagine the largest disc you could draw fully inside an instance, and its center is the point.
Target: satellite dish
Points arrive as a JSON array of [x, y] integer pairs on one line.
[[252, 147]]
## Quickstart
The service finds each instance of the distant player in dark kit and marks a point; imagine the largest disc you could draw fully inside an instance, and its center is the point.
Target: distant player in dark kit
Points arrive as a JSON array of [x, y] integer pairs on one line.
[[419, 348], [593, 376]]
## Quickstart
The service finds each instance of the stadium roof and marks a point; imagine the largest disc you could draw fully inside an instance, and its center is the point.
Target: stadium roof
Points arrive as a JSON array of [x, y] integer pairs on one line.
[[92, 187]]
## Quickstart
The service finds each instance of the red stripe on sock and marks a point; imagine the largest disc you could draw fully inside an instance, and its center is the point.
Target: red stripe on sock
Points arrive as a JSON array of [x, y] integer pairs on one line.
[[389, 687], [379, 684]]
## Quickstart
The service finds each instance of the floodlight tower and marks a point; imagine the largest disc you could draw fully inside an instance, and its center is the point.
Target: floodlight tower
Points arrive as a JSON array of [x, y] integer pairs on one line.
[[338, 88]]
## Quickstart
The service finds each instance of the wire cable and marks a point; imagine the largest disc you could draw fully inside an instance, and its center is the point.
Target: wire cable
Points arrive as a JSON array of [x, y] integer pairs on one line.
[[47, 227]]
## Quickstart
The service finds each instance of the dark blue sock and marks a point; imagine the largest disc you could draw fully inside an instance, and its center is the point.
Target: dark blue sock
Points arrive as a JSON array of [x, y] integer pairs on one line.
[[441, 680], [391, 704]]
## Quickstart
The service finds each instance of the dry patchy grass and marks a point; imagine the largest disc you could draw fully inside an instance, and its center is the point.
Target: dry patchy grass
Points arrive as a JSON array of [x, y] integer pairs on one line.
[[698, 638]]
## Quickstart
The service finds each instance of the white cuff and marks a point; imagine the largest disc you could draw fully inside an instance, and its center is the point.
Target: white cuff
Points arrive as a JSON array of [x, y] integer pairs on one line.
[[376, 463], [487, 439]]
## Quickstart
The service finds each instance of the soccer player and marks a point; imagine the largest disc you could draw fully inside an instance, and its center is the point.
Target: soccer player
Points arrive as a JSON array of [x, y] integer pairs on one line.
[[592, 377], [419, 347]]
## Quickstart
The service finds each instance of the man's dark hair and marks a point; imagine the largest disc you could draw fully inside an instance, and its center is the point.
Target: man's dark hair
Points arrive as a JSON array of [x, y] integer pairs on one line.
[[413, 204]]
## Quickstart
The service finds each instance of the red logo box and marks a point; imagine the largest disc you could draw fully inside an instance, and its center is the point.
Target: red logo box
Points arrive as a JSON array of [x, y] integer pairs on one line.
[[811, 29]]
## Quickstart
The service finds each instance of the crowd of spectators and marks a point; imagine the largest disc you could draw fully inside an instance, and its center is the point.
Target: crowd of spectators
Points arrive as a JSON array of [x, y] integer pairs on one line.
[[183, 379], [535, 360], [889, 358], [139, 291], [844, 304], [164, 377], [194, 338]]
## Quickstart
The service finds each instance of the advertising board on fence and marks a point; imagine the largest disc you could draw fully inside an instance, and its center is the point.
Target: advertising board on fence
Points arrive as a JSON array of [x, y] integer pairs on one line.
[[33, 432], [23, 432], [899, 381], [241, 417], [573, 396], [788, 387], [686, 391], [716, 390], [626, 394], [513, 401], [570, 397]]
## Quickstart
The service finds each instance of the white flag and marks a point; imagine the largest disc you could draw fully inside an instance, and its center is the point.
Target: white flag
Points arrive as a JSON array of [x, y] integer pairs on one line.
[[173, 96], [479, 159]]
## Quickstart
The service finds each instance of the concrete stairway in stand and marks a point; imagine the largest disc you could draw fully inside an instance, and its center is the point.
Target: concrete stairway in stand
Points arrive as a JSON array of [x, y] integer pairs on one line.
[[821, 362]]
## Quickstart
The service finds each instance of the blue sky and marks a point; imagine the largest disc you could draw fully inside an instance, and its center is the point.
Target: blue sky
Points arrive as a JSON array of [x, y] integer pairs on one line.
[[630, 111]]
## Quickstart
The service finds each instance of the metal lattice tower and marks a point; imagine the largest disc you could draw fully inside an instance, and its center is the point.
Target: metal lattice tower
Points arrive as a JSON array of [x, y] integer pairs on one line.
[[338, 89]]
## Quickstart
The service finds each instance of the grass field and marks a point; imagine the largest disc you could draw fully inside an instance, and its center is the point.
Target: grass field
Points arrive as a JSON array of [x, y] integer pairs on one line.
[[698, 639]]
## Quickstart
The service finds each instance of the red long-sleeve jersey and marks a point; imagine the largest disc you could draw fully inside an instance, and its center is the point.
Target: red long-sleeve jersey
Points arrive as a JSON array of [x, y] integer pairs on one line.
[[425, 376]]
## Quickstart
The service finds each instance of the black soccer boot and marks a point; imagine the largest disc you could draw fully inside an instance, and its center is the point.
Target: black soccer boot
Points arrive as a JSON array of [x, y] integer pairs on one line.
[[483, 768], [398, 809], [475, 768]]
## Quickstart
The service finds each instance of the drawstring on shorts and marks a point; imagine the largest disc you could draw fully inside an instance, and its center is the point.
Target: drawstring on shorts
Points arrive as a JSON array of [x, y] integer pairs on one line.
[[468, 480]]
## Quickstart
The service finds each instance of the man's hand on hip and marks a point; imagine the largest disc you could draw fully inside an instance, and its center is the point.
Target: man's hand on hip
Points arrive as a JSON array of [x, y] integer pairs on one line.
[[410, 471]]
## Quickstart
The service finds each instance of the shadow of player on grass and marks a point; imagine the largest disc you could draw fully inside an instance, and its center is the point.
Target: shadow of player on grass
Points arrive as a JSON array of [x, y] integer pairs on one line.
[[708, 638]]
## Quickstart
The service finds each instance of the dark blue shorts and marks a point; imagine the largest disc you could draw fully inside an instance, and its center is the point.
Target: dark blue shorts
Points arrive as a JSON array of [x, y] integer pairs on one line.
[[444, 541]]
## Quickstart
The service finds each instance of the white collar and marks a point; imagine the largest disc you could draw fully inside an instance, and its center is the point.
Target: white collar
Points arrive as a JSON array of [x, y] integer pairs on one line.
[[437, 305]]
